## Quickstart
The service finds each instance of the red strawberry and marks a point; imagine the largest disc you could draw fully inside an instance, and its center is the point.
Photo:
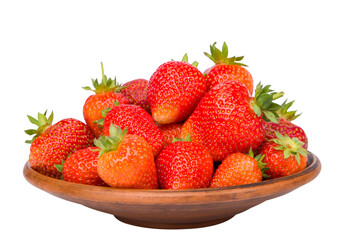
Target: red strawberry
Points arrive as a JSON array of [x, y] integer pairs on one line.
[[174, 90], [285, 125], [170, 131], [239, 169], [226, 68], [283, 156], [54, 143], [184, 165], [135, 91], [105, 96], [228, 120], [81, 167], [126, 160], [137, 121]]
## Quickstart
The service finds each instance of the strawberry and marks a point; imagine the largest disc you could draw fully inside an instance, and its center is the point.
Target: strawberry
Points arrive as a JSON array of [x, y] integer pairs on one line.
[[54, 143], [137, 121], [184, 165], [285, 125], [170, 131], [228, 120], [226, 68], [81, 167], [126, 160], [174, 90], [239, 169], [105, 96], [135, 91], [283, 156]]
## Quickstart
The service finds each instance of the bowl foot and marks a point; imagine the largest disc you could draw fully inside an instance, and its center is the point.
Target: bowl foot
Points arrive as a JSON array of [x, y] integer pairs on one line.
[[165, 225]]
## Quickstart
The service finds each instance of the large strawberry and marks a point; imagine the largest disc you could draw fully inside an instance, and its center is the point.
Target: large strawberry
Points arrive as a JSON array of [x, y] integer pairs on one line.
[[285, 125], [239, 169], [105, 96], [81, 167], [174, 90], [52, 144], [137, 121], [126, 160], [283, 156], [135, 91], [184, 165], [226, 68], [229, 120]]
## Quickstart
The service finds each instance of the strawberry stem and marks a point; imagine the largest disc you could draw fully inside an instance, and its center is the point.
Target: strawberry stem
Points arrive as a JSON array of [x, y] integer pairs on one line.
[[111, 143], [263, 104], [42, 122], [186, 139], [221, 57], [106, 85], [290, 146]]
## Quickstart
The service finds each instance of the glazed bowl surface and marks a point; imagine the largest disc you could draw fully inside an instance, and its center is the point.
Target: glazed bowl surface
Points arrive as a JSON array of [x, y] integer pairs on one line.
[[174, 209]]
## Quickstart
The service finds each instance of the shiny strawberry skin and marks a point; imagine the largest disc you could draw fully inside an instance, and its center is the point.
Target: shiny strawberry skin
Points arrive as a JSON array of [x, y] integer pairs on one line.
[[132, 165], [237, 169], [135, 91], [56, 143], [278, 165], [81, 167], [95, 103], [224, 121], [224, 72], [174, 90], [285, 127], [170, 131], [137, 121], [184, 165]]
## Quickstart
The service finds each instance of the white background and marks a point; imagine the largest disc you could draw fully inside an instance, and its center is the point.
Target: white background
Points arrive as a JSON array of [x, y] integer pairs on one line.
[[308, 49]]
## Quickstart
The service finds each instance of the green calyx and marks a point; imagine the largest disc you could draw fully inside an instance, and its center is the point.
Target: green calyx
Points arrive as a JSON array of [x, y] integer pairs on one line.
[[104, 112], [290, 146], [221, 56], [59, 167], [106, 85], [259, 159], [111, 143], [186, 59], [263, 104], [186, 139], [42, 122], [285, 114]]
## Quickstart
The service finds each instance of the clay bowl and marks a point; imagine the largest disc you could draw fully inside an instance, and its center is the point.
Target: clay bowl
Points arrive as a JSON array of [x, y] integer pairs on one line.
[[174, 208]]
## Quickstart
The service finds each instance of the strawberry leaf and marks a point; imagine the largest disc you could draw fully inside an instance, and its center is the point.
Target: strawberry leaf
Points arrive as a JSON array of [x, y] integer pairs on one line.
[[106, 85], [221, 56], [42, 123]]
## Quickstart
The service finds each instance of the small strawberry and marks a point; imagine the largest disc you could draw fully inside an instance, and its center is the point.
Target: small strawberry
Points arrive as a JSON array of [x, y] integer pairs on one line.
[[81, 167], [226, 68], [135, 91], [283, 156], [54, 143], [174, 90], [285, 125], [228, 120], [105, 96], [137, 121], [239, 169], [126, 160], [170, 131], [184, 165]]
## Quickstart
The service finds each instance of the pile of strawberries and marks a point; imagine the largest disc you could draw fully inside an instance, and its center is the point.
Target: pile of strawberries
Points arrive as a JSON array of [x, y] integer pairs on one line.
[[182, 129]]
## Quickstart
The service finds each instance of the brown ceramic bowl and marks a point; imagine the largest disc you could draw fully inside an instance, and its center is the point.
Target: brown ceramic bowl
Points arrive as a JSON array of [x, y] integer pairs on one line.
[[174, 208]]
